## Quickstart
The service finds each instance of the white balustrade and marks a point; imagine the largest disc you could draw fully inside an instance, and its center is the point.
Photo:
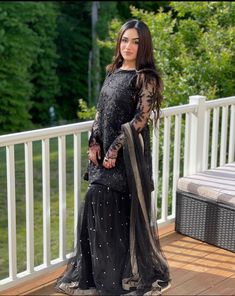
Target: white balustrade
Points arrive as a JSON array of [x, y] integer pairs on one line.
[[11, 210], [215, 135], [206, 140], [62, 198], [187, 141], [29, 206], [165, 171], [46, 202], [155, 162], [176, 160], [231, 154], [77, 180], [197, 134]]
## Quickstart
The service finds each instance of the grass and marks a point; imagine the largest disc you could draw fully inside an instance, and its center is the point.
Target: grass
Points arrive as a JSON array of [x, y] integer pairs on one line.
[[38, 213]]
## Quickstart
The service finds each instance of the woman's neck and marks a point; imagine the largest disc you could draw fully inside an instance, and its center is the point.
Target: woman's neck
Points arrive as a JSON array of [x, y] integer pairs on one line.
[[126, 66]]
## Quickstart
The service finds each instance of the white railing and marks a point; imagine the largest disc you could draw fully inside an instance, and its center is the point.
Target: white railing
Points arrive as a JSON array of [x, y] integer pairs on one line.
[[199, 123], [27, 138], [198, 133]]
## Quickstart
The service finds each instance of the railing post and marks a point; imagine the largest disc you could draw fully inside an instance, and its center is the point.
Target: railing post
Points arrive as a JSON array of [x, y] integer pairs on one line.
[[11, 211], [197, 134]]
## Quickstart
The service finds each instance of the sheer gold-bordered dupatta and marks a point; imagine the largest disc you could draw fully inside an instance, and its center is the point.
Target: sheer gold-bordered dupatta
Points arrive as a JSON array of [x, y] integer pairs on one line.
[[147, 262]]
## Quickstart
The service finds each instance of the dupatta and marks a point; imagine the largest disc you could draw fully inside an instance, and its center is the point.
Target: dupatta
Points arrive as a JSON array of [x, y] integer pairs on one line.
[[147, 262]]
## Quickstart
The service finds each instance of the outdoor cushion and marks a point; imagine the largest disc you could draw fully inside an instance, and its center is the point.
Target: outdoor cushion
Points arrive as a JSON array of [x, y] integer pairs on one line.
[[217, 185]]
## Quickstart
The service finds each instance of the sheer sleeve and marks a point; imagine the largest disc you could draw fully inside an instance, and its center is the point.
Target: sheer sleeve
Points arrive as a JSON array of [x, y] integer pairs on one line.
[[94, 137], [144, 106]]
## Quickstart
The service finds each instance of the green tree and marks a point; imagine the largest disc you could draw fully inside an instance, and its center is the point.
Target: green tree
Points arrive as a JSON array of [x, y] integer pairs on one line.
[[42, 17], [73, 45], [124, 7], [194, 48], [107, 11], [18, 49]]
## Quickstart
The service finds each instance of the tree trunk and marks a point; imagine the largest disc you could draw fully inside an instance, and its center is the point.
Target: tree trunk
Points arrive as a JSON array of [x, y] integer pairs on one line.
[[95, 68]]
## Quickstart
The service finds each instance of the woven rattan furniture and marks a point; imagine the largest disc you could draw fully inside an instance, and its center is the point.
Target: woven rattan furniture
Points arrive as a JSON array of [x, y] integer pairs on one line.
[[205, 206]]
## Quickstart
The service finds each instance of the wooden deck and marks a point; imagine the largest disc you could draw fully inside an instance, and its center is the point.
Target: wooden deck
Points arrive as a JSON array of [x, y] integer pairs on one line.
[[196, 269]]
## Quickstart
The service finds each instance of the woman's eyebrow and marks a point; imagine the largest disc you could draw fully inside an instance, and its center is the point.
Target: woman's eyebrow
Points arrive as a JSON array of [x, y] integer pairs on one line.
[[132, 38]]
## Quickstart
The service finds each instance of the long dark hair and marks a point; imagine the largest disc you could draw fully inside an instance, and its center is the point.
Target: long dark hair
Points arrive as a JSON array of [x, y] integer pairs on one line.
[[145, 64]]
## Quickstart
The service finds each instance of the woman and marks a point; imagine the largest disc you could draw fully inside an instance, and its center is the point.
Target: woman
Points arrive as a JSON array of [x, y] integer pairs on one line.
[[118, 250]]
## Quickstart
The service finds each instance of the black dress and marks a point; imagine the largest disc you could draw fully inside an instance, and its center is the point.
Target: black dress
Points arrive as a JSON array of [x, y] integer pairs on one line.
[[104, 255]]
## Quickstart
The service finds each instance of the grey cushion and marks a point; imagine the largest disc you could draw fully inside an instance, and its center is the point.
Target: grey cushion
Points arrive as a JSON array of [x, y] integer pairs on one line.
[[215, 184]]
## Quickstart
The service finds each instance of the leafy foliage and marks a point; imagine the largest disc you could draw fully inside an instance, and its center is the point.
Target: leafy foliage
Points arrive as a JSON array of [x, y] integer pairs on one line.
[[43, 71], [108, 11], [124, 10], [18, 48], [73, 43], [28, 64], [44, 53], [85, 112]]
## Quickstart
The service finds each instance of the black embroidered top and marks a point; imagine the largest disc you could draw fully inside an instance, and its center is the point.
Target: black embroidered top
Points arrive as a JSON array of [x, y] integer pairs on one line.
[[120, 101]]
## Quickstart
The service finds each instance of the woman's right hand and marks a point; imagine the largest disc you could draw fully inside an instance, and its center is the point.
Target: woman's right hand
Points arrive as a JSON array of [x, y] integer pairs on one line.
[[94, 153]]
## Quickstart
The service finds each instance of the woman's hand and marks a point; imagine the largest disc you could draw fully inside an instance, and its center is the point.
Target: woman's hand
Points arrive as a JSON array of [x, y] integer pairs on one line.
[[110, 159], [94, 153]]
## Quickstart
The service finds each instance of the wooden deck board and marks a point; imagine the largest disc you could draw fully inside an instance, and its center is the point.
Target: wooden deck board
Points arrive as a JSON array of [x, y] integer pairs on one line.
[[200, 269], [226, 287], [196, 268]]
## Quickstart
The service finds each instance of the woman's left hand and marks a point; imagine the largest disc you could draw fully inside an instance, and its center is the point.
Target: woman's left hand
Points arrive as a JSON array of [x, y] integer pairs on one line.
[[110, 159], [109, 163]]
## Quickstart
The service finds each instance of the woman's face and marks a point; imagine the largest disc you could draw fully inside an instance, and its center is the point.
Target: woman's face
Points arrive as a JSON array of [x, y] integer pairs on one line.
[[129, 45]]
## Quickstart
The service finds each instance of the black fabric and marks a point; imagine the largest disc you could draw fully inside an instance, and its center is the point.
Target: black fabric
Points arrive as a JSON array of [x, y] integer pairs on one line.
[[103, 242], [119, 102]]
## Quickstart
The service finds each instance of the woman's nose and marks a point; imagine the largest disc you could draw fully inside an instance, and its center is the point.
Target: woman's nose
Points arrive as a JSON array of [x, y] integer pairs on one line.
[[128, 45]]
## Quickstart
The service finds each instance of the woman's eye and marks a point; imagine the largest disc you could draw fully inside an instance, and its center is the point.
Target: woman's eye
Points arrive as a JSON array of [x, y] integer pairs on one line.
[[126, 41]]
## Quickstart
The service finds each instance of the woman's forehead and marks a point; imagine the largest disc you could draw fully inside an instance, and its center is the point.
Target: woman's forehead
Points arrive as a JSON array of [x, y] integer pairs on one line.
[[131, 34]]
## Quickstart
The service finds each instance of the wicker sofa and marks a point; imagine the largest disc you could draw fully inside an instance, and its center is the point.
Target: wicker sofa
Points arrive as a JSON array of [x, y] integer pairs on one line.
[[205, 206]]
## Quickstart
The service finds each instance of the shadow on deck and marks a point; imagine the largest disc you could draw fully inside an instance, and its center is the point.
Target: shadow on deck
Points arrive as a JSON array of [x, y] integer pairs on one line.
[[196, 269]]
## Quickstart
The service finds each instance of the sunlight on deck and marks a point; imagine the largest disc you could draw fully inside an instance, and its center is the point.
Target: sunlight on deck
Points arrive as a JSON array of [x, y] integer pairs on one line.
[[196, 269]]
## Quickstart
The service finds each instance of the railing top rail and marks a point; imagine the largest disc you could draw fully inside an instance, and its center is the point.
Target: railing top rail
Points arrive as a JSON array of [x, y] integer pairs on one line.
[[220, 102], [181, 109], [44, 133], [52, 132]]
